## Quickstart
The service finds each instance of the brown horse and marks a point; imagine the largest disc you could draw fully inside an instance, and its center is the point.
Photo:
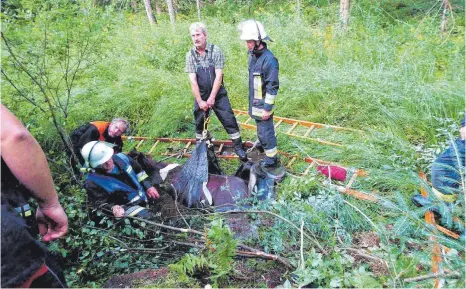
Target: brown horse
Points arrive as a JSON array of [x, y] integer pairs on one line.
[[221, 191]]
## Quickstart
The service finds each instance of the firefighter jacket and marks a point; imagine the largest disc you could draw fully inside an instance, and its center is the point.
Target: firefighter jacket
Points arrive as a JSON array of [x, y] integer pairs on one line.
[[263, 82], [13, 192], [125, 185], [21, 255], [96, 130]]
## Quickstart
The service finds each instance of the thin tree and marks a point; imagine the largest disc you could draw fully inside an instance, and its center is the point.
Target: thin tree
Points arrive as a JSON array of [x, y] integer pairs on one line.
[[45, 75], [344, 12], [298, 8], [171, 12], [158, 8], [198, 4], [52, 101], [149, 13], [446, 6]]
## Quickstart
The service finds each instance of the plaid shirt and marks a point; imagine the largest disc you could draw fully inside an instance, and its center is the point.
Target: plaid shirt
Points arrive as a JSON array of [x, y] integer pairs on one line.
[[217, 58]]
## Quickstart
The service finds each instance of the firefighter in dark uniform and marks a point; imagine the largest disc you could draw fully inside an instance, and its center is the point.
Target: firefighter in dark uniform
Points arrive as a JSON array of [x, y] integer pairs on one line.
[[116, 181], [99, 130], [447, 174], [205, 63], [263, 89], [25, 174], [448, 177]]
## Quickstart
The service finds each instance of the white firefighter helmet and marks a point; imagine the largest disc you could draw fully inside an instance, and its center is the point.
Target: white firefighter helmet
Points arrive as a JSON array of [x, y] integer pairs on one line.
[[252, 30], [96, 153]]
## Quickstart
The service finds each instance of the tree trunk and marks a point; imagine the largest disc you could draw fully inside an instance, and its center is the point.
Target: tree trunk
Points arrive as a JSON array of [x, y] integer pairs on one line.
[[198, 4], [443, 25], [298, 8], [149, 13], [134, 5], [171, 12], [158, 8], [62, 133], [344, 12]]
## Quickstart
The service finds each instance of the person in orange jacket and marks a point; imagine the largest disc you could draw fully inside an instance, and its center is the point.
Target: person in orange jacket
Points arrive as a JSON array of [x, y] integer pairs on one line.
[[110, 132]]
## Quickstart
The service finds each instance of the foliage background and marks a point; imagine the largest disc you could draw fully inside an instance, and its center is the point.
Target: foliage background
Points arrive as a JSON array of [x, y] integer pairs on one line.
[[390, 73]]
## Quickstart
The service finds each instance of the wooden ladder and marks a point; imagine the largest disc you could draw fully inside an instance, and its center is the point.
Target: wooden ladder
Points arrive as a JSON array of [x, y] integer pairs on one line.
[[311, 126], [188, 144], [220, 145], [437, 260], [346, 188]]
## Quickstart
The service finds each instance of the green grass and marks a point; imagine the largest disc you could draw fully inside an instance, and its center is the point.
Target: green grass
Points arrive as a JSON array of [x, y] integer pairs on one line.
[[390, 74]]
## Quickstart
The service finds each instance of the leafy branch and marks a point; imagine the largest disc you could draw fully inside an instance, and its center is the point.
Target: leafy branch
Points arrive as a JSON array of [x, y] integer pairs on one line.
[[255, 252]]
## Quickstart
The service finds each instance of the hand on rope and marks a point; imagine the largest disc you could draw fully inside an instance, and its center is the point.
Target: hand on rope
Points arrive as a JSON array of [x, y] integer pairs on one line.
[[206, 124], [203, 105]]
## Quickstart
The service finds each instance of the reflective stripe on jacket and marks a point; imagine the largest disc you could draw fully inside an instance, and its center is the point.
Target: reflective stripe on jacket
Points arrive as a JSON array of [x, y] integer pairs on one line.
[[122, 161], [111, 183], [263, 82]]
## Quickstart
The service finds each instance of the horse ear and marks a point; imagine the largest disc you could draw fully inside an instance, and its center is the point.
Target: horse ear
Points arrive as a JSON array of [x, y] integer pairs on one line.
[[133, 154]]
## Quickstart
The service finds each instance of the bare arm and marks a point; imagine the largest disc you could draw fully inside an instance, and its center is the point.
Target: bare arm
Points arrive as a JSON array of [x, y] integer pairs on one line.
[[195, 87], [26, 160]]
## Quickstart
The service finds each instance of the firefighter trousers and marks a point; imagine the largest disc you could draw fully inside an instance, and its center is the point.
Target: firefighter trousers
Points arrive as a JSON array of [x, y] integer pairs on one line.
[[268, 140]]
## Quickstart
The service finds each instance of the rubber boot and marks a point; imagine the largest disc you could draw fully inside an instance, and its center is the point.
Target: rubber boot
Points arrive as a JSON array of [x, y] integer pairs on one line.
[[421, 201], [462, 237], [456, 226], [238, 145], [275, 170]]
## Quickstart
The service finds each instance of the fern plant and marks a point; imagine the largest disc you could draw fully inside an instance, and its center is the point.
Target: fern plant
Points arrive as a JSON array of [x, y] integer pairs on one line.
[[216, 261]]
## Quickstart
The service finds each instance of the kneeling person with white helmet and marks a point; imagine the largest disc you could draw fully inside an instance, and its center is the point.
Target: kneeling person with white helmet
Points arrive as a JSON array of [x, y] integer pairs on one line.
[[116, 181]]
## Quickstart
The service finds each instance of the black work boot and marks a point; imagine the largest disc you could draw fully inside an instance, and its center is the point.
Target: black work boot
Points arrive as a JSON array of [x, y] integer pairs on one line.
[[271, 168], [273, 171], [421, 201], [238, 145]]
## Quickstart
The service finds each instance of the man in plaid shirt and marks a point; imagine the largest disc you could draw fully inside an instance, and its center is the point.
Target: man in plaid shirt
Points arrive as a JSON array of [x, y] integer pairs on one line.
[[205, 63]]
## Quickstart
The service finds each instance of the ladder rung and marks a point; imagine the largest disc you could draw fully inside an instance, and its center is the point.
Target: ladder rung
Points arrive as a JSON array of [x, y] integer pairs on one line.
[[292, 128], [220, 148], [351, 181], [309, 167], [239, 112], [308, 132], [153, 147], [291, 162], [278, 123], [140, 143], [187, 147], [316, 140]]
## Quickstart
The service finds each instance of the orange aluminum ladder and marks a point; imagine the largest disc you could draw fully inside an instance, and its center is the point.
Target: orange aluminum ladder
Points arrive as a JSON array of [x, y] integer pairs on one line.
[[310, 127]]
